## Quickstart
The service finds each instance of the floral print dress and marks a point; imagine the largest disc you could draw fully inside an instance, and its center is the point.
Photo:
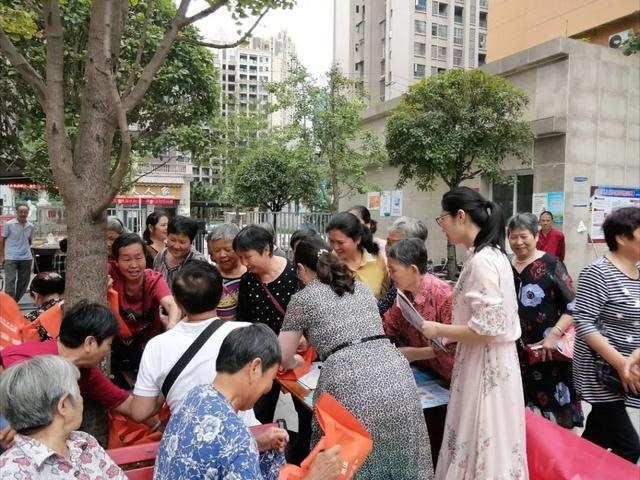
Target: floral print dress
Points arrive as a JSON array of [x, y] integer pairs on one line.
[[484, 435], [545, 292]]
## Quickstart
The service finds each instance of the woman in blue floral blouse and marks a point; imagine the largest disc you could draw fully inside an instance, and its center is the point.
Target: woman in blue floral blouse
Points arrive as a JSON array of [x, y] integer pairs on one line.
[[545, 306]]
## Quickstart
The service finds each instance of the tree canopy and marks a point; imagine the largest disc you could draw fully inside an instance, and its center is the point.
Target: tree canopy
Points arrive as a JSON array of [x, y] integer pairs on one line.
[[455, 126]]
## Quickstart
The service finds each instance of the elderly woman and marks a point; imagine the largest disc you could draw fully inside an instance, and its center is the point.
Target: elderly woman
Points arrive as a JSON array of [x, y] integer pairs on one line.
[[47, 290], [181, 232], [155, 234], [400, 229], [115, 228], [141, 293], [207, 439], [41, 400], [220, 247], [361, 368], [606, 318], [545, 307], [430, 296], [265, 290], [353, 242]]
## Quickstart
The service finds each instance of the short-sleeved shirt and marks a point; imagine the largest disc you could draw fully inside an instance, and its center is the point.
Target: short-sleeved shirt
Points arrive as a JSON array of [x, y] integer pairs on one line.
[[170, 273], [373, 273], [254, 304], [228, 305], [93, 383], [17, 240], [29, 458], [207, 439], [552, 243], [433, 302]]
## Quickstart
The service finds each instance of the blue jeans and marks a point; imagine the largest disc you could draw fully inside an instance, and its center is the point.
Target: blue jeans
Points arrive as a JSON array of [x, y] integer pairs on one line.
[[16, 277]]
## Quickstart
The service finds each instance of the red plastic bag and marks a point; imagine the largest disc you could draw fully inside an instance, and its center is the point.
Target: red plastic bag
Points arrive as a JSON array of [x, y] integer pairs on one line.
[[556, 453], [308, 356], [340, 428]]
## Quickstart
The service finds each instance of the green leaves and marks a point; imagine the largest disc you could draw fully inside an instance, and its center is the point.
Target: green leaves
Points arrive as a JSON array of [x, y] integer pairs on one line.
[[455, 126]]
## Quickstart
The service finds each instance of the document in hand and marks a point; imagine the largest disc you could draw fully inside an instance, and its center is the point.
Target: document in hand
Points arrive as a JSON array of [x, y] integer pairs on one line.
[[412, 316], [340, 428]]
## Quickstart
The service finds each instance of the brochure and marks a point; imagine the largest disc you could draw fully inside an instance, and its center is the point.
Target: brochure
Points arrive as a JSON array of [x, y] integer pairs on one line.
[[310, 380], [412, 316], [431, 392]]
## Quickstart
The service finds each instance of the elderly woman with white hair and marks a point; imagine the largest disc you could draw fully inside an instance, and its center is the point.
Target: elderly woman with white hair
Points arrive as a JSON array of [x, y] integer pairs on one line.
[[41, 400]]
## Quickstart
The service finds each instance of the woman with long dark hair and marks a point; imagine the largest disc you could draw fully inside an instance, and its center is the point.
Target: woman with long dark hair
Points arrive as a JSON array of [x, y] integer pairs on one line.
[[353, 242], [485, 427], [155, 234], [361, 368]]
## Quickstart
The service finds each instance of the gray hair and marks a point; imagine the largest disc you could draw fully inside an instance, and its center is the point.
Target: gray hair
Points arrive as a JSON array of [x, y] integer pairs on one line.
[[115, 225], [30, 391], [410, 251], [226, 231], [524, 221], [411, 227], [244, 344]]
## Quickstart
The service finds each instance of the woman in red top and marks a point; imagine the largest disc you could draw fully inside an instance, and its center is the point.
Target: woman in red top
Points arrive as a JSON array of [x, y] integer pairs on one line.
[[141, 293], [430, 296]]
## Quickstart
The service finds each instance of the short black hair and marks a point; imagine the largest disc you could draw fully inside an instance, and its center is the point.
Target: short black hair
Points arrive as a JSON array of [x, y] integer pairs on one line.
[[198, 287], [253, 237], [301, 235], [181, 225], [622, 221], [410, 251], [46, 283], [242, 345], [125, 240], [546, 212], [87, 320]]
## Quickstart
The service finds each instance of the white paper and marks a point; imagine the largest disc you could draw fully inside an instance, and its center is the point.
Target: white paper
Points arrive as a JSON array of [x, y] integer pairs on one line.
[[581, 191], [411, 315], [396, 203], [539, 203], [385, 204], [310, 380]]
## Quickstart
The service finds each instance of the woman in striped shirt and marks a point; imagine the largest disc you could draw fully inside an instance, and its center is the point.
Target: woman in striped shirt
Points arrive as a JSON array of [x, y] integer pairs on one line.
[[607, 321]]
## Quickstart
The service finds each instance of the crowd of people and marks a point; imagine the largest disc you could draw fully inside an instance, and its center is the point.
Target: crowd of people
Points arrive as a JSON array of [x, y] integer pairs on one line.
[[207, 337]]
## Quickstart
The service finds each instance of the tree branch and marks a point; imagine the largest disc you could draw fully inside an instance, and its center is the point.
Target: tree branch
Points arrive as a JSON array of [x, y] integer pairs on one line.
[[160, 165], [224, 45], [24, 68], [143, 38], [133, 98]]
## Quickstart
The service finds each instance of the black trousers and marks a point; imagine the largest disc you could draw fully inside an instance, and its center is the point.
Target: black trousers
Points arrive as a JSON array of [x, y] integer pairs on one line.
[[609, 426], [265, 407]]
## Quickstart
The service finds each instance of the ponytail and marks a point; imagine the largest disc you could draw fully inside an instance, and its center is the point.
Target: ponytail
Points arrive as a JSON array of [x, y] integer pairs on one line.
[[352, 227], [314, 254], [484, 213]]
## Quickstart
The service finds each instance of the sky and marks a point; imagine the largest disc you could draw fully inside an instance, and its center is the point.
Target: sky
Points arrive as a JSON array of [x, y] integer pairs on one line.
[[309, 24]]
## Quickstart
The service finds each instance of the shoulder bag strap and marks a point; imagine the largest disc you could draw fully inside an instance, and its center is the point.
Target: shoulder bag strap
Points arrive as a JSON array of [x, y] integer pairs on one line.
[[187, 356], [275, 302]]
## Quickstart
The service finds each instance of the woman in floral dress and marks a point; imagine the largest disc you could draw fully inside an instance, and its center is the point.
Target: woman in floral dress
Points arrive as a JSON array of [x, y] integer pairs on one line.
[[545, 300], [484, 434]]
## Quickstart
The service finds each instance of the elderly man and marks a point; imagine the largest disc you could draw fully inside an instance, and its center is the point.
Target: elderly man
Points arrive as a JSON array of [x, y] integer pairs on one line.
[[41, 399], [401, 229], [86, 333], [15, 252], [550, 240]]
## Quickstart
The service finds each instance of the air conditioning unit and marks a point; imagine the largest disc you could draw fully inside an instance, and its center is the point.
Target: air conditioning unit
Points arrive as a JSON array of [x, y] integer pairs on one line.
[[616, 39]]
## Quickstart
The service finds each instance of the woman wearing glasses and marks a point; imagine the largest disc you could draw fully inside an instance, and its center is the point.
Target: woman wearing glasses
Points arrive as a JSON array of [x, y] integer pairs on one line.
[[485, 427]]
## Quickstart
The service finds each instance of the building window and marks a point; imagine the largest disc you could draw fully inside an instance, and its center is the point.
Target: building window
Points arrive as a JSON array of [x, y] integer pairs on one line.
[[434, 52], [472, 14], [439, 8], [442, 31], [360, 26], [442, 53], [420, 27], [457, 57], [381, 92], [482, 59], [419, 49], [434, 71], [421, 5], [434, 29], [482, 40], [418, 70], [483, 19], [357, 8], [458, 36], [516, 197], [382, 67], [458, 14]]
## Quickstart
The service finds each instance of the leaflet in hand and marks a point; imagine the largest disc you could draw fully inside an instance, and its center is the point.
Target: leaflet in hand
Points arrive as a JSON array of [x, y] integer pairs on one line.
[[412, 316]]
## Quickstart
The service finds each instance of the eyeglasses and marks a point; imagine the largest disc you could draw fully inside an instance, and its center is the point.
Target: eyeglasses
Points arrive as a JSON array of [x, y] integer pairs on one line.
[[441, 218]]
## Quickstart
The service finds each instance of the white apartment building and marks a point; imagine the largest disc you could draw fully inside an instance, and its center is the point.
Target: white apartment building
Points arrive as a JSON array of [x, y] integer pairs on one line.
[[245, 72], [391, 44]]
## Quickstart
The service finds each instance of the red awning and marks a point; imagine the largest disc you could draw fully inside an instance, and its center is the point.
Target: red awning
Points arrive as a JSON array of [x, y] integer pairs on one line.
[[145, 200]]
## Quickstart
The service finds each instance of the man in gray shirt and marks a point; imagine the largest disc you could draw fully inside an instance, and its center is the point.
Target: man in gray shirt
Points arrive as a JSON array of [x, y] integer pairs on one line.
[[15, 252]]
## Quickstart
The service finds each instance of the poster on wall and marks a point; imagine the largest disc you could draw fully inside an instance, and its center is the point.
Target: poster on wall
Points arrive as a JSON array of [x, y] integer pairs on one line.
[[581, 191], [385, 204], [606, 199], [396, 203], [539, 203], [555, 204], [373, 200]]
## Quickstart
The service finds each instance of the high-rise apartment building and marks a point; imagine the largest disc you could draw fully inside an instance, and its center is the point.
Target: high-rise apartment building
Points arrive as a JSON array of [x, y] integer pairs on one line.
[[520, 24], [245, 72], [391, 44]]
